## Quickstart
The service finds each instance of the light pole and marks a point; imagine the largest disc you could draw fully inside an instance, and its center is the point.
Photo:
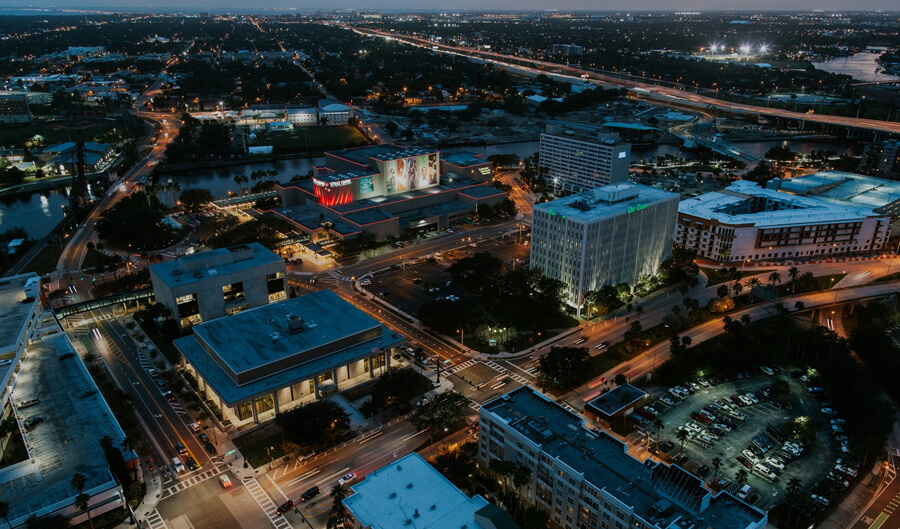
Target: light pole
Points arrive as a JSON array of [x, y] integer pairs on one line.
[[269, 453], [892, 259], [462, 339]]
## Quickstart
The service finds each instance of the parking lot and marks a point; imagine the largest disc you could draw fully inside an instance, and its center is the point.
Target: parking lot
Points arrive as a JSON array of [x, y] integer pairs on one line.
[[407, 286], [750, 438]]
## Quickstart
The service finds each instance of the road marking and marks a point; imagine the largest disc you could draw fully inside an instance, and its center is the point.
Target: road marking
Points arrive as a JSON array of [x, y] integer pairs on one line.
[[408, 437], [298, 479], [878, 521], [278, 488], [329, 478], [266, 504], [373, 436], [190, 482], [155, 520]]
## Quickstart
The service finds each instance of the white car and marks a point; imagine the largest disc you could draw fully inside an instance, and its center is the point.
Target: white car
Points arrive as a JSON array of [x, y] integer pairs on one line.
[[774, 463], [194, 427], [744, 492], [768, 371], [846, 470], [347, 478], [820, 499]]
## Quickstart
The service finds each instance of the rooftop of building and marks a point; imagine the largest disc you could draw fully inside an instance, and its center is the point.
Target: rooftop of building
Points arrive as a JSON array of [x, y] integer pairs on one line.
[[606, 201], [615, 400], [582, 135], [222, 261], [605, 462], [15, 307], [311, 220], [75, 416], [410, 492], [265, 347], [472, 187], [345, 175], [837, 187], [464, 159], [746, 203], [383, 152]]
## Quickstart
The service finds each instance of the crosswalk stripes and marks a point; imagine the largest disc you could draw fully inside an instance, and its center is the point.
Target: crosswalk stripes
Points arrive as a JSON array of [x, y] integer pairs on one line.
[[503, 371], [464, 365], [533, 371], [155, 520], [179, 409], [266, 504], [191, 481], [475, 406]]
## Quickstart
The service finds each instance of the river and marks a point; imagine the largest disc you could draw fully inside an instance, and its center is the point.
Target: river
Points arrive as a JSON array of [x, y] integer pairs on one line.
[[40, 212], [863, 66]]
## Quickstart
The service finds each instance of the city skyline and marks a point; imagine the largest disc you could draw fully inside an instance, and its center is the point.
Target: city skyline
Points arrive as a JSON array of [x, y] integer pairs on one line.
[[222, 6]]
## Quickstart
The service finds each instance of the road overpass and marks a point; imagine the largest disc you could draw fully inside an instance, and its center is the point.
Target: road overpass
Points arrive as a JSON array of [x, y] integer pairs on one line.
[[663, 94]]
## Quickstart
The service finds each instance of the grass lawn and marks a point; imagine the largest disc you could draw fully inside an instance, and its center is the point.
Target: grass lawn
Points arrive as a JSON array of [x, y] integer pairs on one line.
[[254, 448], [312, 139], [97, 259], [715, 278]]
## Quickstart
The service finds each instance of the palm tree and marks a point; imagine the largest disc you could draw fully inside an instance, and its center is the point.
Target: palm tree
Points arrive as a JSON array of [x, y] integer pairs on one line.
[[741, 476], [4, 512], [774, 278], [78, 482], [737, 288], [794, 273], [658, 424], [716, 463], [338, 493], [793, 487], [682, 436], [753, 282], [83, 502], [106, 443]]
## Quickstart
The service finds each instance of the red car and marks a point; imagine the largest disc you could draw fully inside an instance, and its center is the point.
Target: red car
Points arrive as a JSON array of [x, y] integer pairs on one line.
[[700, 418], [743, 460]]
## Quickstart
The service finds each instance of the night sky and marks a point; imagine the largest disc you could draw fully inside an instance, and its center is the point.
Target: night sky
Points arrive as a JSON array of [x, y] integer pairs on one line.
[[481, 5]]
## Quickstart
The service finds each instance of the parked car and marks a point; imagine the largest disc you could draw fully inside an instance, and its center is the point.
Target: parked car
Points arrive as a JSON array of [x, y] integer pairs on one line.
[[742, 460], [203, 438], [744, 492], [819, 499], [210, 448], [32, 422]]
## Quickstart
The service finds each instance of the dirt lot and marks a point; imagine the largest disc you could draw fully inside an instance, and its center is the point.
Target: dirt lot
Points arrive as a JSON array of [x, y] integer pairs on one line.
[[808, 468]]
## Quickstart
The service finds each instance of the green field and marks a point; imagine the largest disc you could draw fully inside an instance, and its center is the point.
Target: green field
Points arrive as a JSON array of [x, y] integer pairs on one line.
[[312, 139]]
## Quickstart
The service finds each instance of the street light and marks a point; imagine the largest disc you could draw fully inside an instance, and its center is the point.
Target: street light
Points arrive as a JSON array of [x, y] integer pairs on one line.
[[269, 453]]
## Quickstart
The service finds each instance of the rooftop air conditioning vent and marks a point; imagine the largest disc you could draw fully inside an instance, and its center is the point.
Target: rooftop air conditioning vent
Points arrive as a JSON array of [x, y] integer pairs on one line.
[[409, 485], [177, 271], [392, 495]]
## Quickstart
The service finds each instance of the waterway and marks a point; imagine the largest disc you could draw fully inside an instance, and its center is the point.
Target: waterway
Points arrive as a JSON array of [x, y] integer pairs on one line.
[[863, 66], [40, 212]]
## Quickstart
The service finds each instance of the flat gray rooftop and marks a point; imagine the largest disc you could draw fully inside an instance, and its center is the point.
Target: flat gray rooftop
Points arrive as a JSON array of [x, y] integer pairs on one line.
[[68, 441], [389, 497], [222, 261], [732, 206], [606, 201], [838, 187], [615, 400], [256, 346], [14, 309], [605, 462], [463, 159]]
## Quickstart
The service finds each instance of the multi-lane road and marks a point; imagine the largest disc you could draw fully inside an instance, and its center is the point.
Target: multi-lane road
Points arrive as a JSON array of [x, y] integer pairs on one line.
[[672, 95]]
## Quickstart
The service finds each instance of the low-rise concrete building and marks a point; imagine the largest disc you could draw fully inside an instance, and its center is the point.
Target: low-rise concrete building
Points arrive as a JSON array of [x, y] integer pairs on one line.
[[208, 285], [279, 356], [588, 480], [409, 492]]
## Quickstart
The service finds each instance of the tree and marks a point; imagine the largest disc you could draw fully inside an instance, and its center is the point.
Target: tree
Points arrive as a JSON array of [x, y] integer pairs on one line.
[[716, 463], [753, 282], [794, 273], [474, 274], [737, 288], [563, 368], [443, 413], [774, 278], [4, 512], [682, 436], [193, 199], [338, 514], [315, 425], [83, 502], [78, 482], [620, 380], [741, 476], [722, 291]]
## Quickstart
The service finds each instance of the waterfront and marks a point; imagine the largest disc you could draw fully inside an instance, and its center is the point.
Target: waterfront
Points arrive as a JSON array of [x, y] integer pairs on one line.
[[863, 66], [40, 212]]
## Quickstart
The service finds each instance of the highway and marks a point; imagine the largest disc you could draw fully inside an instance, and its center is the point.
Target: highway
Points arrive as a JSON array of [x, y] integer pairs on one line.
[[651, 91]]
